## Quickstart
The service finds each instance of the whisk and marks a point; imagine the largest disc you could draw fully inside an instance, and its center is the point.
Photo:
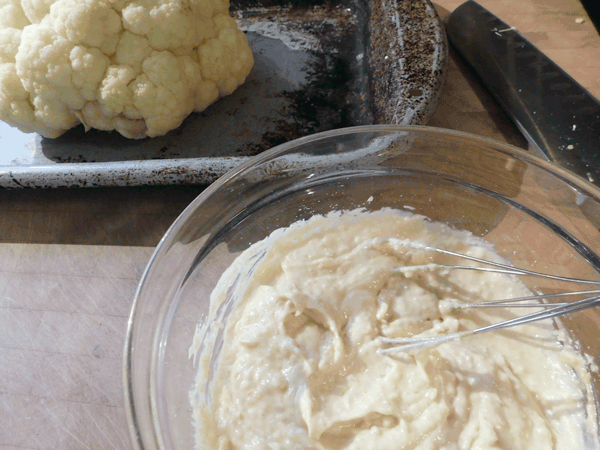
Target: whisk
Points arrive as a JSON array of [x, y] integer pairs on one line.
[[549, 310]]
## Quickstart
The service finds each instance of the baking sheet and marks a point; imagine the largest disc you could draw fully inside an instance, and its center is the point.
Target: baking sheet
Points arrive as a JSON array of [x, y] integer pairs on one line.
[[319, 65]]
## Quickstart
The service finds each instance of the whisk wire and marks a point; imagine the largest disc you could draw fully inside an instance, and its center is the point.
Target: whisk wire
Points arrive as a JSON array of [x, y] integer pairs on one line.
[[525, 302], [417, 343], [549, 311], [497, 268]]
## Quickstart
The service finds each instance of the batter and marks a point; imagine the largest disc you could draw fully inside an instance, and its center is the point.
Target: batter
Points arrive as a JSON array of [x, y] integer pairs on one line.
[[301, 367]]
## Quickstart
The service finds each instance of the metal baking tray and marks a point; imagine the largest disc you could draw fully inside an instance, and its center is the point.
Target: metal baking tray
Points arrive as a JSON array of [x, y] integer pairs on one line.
[[319, 65]]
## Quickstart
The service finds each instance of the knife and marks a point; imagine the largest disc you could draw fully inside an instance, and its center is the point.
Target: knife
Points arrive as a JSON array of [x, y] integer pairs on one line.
[[558, 117]]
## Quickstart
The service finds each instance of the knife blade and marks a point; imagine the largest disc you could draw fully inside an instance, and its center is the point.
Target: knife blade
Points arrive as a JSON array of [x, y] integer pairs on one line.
[[557, 115]]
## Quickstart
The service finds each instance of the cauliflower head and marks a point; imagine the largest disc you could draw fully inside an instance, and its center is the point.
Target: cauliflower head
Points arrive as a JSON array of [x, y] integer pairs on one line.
[[139, 67]]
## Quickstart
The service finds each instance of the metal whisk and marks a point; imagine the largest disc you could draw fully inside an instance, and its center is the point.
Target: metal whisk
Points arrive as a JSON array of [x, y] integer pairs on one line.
[[549, 310]]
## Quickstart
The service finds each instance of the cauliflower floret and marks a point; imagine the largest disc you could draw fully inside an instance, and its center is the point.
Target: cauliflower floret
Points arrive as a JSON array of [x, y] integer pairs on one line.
[[138, 67], [89, 67], [221, 61], [9, 44], [12, 15], [132, 51], [162, 92], [92, 23], [35, 10], [12, 21]]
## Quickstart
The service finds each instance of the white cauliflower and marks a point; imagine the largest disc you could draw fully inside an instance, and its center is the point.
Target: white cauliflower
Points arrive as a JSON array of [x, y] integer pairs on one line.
[[138, 67]]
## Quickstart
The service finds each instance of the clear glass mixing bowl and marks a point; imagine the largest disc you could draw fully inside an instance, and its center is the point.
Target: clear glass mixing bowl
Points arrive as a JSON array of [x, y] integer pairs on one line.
[[538, 215]]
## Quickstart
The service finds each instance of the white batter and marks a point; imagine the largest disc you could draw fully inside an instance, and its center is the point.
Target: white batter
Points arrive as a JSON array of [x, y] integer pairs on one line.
[[300, 366]]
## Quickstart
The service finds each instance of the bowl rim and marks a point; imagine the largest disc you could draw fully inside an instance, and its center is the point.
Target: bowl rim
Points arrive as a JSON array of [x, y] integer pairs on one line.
[[505, 148]]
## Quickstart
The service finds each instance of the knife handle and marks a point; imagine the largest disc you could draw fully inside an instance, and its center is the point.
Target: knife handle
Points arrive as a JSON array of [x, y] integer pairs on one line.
[[555, 113]]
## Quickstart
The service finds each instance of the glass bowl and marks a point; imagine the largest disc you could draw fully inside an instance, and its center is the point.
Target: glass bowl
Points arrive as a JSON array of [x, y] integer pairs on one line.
[[537, 215]]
